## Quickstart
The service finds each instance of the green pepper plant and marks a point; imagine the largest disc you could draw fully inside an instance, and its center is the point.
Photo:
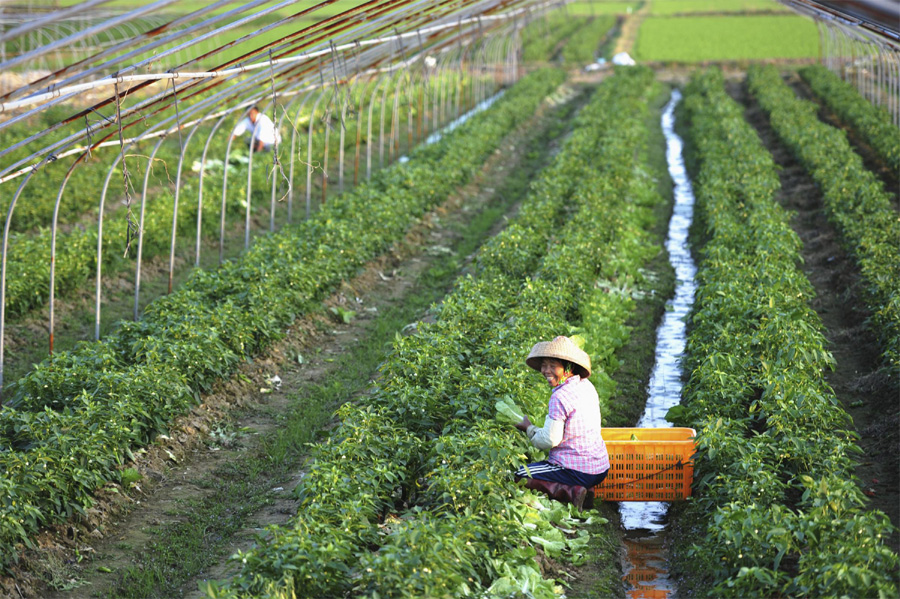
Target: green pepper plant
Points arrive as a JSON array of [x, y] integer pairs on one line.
[[447, 519], [775, 489], [73, 422], [872, 122], [855, 200]]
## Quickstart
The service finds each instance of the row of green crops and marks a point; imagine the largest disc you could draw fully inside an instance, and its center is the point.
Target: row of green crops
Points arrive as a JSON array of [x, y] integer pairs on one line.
[[584, 45], [75, 421], [780, 512], [581, 37], [28, 275], [28, 266], [705, 38], [35, 206], [870, 121], [542, 36], [412, 495], [855, 200], [685, 7]]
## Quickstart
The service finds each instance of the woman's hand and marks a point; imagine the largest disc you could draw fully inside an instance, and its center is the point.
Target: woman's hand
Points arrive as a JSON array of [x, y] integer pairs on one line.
[[523, 426]]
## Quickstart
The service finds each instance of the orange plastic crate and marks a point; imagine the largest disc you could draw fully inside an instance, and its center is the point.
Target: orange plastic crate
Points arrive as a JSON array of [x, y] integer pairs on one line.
[[655, 467]]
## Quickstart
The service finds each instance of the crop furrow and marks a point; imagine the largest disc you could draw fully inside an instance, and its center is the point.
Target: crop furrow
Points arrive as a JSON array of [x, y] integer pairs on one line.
[[779, 510], [583, 45], [855, 200], [77, 419], [421, 503]]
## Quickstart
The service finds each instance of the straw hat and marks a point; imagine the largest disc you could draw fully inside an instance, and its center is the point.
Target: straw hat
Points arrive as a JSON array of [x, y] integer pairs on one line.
[[561, 348]]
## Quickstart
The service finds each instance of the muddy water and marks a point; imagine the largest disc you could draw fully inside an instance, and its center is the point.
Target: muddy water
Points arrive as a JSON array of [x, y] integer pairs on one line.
[[646, 568]]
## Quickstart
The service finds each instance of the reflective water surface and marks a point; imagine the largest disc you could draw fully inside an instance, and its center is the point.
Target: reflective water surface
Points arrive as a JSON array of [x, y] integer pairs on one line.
[[645, 522], [483, 105], [437, 135]]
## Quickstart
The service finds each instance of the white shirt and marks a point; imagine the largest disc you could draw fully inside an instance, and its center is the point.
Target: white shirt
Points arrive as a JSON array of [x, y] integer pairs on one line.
[[263, 130], [548, 437]]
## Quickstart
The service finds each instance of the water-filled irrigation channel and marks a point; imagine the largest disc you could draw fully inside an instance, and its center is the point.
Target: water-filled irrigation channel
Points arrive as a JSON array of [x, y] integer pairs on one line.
[[646, 568], [437, 135]]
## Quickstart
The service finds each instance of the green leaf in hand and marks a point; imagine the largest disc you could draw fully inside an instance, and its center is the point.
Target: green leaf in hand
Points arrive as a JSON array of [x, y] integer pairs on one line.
[[508, 410]]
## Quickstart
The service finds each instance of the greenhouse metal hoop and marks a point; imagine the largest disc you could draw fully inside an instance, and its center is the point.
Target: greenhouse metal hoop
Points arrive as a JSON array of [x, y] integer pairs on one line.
[[470, 56]]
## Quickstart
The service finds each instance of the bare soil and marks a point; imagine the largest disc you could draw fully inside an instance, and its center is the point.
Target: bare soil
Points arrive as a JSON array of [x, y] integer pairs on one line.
[[242, 409], [864, 389], [629, 30]]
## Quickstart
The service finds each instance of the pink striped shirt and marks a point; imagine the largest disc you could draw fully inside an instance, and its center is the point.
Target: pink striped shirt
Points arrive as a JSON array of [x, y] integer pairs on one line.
[[576, 404]]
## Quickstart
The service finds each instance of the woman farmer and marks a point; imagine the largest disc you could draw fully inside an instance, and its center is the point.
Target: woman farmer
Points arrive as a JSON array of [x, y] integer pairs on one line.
[[577, 459]]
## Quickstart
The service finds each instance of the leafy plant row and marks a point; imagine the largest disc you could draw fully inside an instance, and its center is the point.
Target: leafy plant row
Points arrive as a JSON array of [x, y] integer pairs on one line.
[[28, 267], [780, 511], [77, 419], [28, 275], [584, 44], [855, 200], [34, 209], [542, 36], [872, 122], [412, 495]]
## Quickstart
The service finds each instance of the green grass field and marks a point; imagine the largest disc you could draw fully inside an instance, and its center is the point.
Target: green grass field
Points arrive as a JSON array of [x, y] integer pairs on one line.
[[673, 7], [697, 39]]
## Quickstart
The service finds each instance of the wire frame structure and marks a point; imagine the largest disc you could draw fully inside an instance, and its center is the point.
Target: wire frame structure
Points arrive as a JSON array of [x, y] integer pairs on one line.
[[859, 41], [134, 152]]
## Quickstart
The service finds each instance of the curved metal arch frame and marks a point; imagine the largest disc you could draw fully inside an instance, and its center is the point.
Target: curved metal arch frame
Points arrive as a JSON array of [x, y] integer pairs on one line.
[[309, 149], [209, 138], [99, 274], [3, 260], [359, 118], [467, 76], [140, 232], [381, 80], [173, 240], [484, 5], [871, 66], [294, 133]]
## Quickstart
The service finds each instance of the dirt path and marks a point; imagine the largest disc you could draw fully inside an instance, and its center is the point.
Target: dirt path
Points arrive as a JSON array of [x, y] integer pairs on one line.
[[865, 392], [87, 560], [629, 30]]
